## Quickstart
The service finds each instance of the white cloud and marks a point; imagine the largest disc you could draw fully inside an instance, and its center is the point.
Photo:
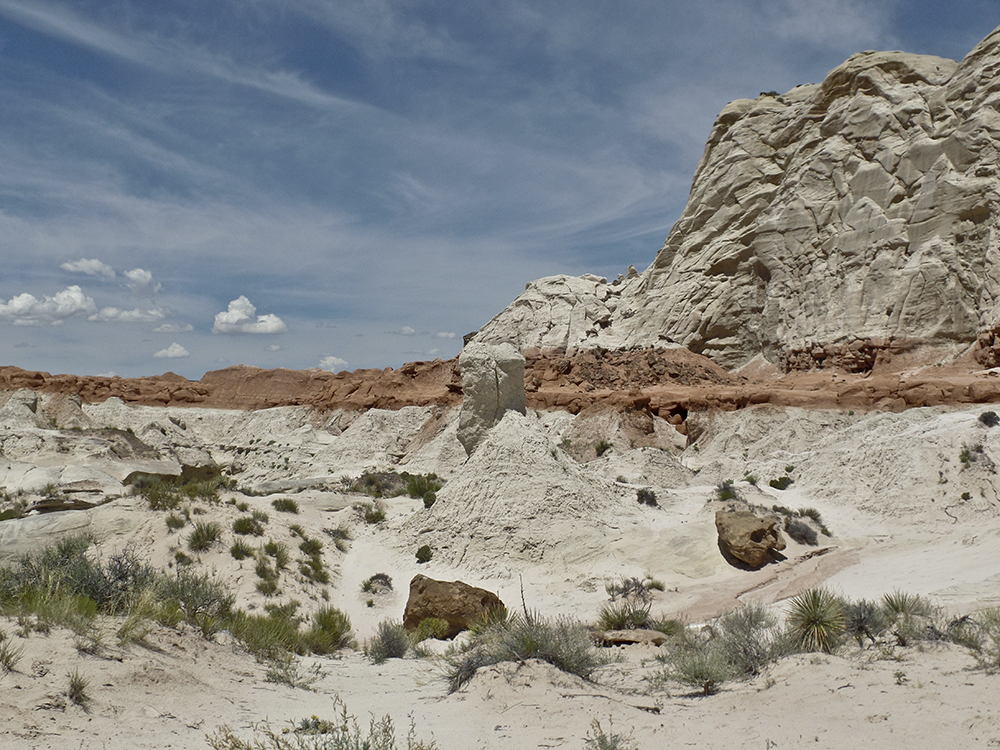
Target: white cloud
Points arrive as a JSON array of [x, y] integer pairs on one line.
[[91, 267], [445, 335], [333, 364], [114, 315], [174, 351], [141, 282], [240, 319], [404, 331], [273, 348], [174, 328], [26, 309]]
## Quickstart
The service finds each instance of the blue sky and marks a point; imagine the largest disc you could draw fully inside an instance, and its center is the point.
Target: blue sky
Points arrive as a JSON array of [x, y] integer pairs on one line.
[[191, 184]]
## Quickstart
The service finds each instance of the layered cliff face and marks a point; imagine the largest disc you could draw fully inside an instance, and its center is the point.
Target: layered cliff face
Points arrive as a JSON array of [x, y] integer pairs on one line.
[[824, 226]]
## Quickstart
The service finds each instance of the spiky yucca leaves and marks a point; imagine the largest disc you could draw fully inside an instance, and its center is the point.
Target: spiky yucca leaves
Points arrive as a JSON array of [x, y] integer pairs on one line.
[[910, 616], [627, 614], [815, 620], [865, 619]]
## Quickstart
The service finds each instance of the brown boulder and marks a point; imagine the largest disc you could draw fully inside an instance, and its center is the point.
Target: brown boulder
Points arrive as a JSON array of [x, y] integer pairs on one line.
[[457, 603], [748, 538]]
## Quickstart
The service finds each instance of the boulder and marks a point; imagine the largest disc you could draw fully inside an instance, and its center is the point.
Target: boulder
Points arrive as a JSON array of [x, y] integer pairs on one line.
[[492, 384], [455, 602], [639, 636], [748, 538]]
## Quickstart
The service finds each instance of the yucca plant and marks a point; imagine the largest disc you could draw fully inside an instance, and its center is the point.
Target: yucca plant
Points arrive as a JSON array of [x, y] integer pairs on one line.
[[815, 620]]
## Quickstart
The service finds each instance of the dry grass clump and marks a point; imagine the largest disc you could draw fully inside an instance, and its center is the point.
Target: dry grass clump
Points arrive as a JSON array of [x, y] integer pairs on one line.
[[563, 643], [391, 641], [342, 732]]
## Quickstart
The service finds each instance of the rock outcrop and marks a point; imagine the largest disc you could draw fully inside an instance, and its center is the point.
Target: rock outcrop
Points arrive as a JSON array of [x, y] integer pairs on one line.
[[836, 224], [747, 537], [492, 384], [455, 602]]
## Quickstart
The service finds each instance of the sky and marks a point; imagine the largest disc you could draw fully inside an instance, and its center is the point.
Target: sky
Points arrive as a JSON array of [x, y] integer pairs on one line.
[[187, 185]]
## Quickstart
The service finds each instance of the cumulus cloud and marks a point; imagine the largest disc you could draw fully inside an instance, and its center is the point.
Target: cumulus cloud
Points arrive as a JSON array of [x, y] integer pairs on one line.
[[174, 328], [240, 319], [273, 348], [89, 266], [174, 351], [404, 331], [26, 309], [333, 364], [141, 282], [444, 335], [114, 315]]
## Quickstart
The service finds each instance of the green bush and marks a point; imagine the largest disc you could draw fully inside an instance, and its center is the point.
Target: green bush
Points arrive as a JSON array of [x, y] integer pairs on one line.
[[646, 496], [203, 536], [285, 505], [602, 447], [864, 619], [391, 641], [377, 584], [989, 419], [598, 739], [175, 521], [424, 554], [748, 639], [372, 514], [781, 483], [726, 491], [330, 631], [422, 485], [815, 620], [431, 627], [704, 669], [241, 550], [627, 614], [801, 532], [341, 537], [429, 499], [247, 525]]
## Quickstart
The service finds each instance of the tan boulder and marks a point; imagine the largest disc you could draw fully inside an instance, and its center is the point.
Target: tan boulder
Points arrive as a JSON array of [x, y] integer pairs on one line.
[[748, 538], [455, 602]]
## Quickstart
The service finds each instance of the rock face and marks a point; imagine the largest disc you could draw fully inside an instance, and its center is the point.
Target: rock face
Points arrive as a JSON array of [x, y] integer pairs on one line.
[[747, 537], [459, 604], [831, 225], [492, 384]]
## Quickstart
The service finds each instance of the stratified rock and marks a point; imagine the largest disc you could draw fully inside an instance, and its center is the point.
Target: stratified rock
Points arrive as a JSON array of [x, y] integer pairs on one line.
[[833, 225], [492, 384], [747, 537], [630, 637], [457, 603]]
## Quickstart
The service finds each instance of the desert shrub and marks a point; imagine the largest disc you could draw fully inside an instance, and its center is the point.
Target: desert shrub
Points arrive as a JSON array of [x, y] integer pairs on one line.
[[424, 554], [340, 733], [203, 536], [801, 532], [377, 584], [646, 496], [285, 505], [267, 586], [429, 499], [175, 521], [602, 447], [311, 547], [633, 587], [241, 550], [989, 652], [341, 537], [750, 479], [562, 643], [702, 668], [279, 552], [10, 654], [598, 739], [726, 490], [864, 619], [430, 627], [970, 454], [391, 641], [370, 513], [989, 418], [815, 620], [626, 614], [77, 689], [781, 483], [330, 631], [197, 594], [422, 485], [260, 515], [749, 639], [267, 636], [910, 617], [161, 494]]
